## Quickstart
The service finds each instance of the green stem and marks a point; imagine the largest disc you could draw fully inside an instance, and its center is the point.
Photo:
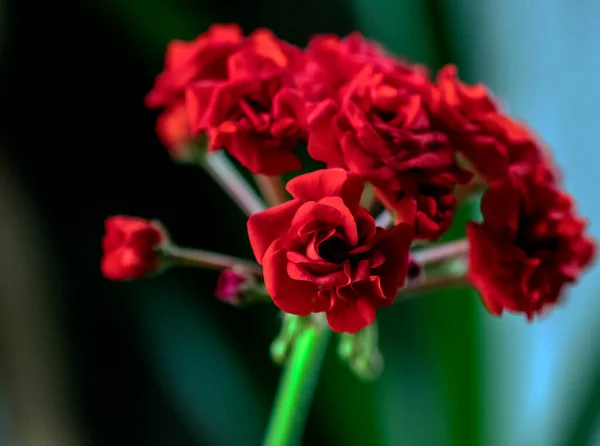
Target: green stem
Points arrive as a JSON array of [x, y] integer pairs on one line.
[[296, 388]]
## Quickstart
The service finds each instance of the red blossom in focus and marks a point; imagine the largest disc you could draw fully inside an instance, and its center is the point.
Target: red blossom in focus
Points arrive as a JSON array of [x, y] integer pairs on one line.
[[256, 113], [130, 247], [478, 129], [530, 244], [321, 251], [380, 129], [203, 59]]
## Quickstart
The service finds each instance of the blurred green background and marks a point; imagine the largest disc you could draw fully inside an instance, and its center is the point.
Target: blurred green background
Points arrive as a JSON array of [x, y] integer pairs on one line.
[[159, 362]]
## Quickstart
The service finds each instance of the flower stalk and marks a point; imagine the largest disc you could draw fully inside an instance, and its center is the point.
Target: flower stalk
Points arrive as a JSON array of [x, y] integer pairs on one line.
[[440, 253], [177, 256], [296, 388], [475, 186], [368, 199], [272, 189], [223, 171], [430, 284]]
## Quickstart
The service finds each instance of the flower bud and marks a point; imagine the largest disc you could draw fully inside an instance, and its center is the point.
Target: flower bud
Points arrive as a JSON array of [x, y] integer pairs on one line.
[[131, 247], [361, 352], [414, 270], [231, 285]]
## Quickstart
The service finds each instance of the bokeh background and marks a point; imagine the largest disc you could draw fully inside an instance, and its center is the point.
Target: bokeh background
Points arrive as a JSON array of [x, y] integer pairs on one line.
[[159, 362]]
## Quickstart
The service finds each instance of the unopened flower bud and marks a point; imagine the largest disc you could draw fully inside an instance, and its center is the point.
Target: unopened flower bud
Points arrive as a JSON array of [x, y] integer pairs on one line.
[[414, 270], [361, 352], [131, 247], [231, 285]]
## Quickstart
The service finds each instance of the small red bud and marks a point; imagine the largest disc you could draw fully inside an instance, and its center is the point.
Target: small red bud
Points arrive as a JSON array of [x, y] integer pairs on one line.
[[131, 247], [414, 269], [230, 284]]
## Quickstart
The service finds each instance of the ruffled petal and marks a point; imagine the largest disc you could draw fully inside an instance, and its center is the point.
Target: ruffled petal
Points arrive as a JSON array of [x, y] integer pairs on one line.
[[267, 226], [350, 316], [292, 296], [327, 183], [322, 144]]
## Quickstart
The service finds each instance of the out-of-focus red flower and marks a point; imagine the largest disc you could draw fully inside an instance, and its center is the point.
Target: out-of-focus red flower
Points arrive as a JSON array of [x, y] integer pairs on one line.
[[530, 244], [230, 285], [321, 251], [173, 130], [332, 62], [130, 247], [202, 59], [477, 127], [256, 113], [380, 129], [428, 203]]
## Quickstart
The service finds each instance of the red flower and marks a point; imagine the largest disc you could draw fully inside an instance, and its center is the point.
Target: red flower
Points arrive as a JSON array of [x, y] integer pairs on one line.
[[321, 252], [477, 127], [332, 62], [130, 247], [426, 202], [380, 129], [173, 130], [256, 113], [530, 244], [204, 58]]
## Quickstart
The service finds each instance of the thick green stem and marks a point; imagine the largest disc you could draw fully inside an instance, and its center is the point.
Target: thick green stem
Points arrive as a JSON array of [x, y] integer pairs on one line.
[[295, 393]]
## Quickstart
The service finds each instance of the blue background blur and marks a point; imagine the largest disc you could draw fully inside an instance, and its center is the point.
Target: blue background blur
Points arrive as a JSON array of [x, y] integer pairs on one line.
[[159, 362]]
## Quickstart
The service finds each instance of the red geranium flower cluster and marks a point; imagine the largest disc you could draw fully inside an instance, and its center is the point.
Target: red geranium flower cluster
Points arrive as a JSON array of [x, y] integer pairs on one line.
[[370, 117]]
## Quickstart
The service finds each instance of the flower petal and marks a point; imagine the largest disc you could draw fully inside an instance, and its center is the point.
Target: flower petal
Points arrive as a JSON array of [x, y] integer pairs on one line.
[[322, 144], [312, 217], [327, 183], [350, 316], [262, 155], [395, 246], [500, 204], [350, 231], [292, 296], [496, 270], [265, 227]]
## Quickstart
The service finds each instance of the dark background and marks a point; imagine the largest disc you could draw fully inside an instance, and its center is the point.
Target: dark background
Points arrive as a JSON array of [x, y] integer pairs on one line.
[[160, 361]]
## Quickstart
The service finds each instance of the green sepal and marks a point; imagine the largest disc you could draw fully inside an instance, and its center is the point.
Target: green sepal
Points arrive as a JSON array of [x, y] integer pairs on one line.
[[291, 327], [361, 352]]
